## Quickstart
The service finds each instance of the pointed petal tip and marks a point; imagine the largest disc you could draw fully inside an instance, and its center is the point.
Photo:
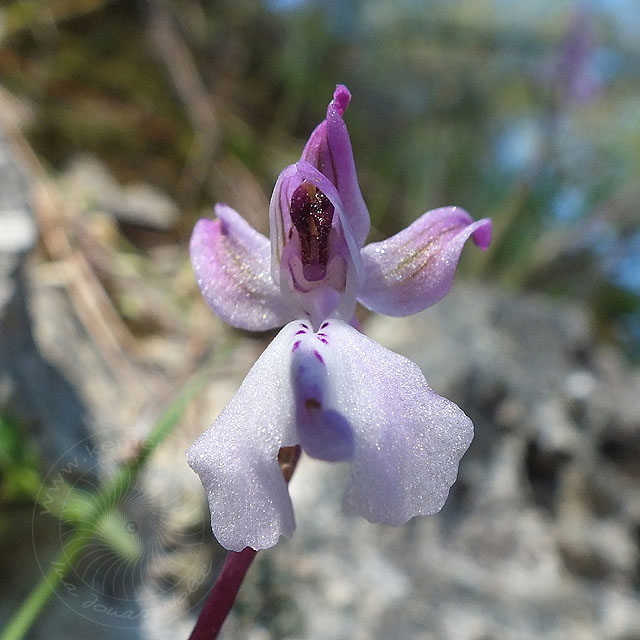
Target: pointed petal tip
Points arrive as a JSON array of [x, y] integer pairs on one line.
[[202, 225], [341, 99], [221, 209], [482, 233]]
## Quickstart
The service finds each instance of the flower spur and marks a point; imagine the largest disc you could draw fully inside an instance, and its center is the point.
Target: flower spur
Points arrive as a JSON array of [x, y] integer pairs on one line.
[[321, 384]]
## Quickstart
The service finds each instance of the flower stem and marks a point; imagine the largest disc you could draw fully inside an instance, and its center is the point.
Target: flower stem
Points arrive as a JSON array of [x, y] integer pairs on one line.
[[223, 594], [226, 587]]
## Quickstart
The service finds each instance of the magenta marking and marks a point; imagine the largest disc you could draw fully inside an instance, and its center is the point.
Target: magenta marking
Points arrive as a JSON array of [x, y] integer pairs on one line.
[[317, 355], [302, 331], [322, 335], [323, 340], [324, 325], [296, 345]]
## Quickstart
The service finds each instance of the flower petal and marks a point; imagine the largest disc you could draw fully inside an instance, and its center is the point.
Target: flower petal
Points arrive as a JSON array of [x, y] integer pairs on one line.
[[236, 458], [346, 179], [280, 217], [414, 269], [347, 270], [231, 263], [329, 150], [408, 440]]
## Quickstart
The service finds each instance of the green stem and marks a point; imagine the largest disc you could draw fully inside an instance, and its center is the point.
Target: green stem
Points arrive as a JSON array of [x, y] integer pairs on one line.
[[28, 612], [40, 594]]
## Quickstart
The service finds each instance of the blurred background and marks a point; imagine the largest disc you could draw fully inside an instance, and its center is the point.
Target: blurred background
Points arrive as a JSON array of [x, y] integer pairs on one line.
[[122, 123]]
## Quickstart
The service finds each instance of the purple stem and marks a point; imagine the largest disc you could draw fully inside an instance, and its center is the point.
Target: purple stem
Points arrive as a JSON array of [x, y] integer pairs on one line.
[[224, 591], [223, 594]]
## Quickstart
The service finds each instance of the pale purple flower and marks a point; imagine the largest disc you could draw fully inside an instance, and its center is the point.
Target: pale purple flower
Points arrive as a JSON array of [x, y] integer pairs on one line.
[[322, 384], [576, 75]]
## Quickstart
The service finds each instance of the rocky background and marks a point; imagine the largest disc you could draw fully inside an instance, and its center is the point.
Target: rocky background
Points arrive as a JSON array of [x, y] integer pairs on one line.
[[102, 327]]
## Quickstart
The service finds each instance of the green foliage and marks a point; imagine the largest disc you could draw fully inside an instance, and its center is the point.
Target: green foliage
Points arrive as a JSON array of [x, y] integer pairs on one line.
[[20, 478]]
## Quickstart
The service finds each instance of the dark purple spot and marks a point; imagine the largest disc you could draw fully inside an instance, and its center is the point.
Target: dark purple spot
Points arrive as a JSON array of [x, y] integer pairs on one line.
[[324, 325], [296, 345], [302, 331], [322, 335], [312, 405], [312, 214], [323, 340], [317, 355]]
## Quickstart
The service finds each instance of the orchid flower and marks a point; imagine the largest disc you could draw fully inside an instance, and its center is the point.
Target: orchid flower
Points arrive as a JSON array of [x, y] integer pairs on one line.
[[321, 384]]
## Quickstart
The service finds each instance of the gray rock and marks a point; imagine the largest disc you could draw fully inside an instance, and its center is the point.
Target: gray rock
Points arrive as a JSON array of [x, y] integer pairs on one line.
[[17, 225], [32, 389], [17, 231], [89, 182]]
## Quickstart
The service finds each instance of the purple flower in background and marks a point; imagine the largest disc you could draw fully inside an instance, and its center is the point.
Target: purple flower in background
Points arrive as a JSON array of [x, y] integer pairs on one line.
[[322, 384], [575, 76]]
